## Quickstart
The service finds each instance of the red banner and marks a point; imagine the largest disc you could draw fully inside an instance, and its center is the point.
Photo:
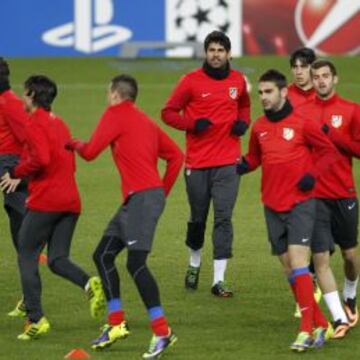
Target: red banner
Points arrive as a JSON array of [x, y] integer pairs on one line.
[[281, 26]]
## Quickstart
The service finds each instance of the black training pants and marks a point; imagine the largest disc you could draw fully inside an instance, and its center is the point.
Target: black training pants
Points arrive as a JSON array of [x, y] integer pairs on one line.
[[56, 230], [219, 184]]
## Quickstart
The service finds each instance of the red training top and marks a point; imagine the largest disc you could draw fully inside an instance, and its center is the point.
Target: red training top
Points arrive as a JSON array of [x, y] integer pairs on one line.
[[343, 118], [136, 144], [12, 124], [49, 167], [284, 149], [222, 102], [298, 96]]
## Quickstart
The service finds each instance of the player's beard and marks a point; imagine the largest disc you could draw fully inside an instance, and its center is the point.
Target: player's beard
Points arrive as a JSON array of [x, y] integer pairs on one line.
[[326, 93]]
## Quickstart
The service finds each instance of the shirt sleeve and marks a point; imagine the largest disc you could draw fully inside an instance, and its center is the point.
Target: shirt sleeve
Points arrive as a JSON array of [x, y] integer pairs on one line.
[[244, 105], [253, 157], [105, 133], [37, 153], [173, 112], [327, 153], [174, 157], [350, 144]]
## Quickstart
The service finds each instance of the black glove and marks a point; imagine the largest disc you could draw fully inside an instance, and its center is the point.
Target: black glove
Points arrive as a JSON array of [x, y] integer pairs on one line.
[[325, 128], [201, 125], [239, 128], [306, 183], [243, 167]]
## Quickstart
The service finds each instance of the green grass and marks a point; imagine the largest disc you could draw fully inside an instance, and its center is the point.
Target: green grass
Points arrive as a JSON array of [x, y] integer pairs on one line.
[[256, 324]]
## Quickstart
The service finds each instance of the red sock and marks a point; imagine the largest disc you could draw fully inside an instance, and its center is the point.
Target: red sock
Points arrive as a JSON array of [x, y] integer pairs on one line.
[[305, 299], [319, 317], [116, 317], [160, 326]]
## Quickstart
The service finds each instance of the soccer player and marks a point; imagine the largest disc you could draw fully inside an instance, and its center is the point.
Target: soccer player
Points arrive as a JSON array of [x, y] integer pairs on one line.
[[212, 106], [53, 206], [282, 143], [12, 135], [301, 90], [136, 143], [338, 208]]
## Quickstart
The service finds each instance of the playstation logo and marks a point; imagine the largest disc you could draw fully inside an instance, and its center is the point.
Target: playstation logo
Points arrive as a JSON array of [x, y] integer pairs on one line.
[[91, 30]]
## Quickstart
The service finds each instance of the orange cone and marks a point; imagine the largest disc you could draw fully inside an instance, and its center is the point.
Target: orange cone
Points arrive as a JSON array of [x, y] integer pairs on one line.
[[42, 259], [77, 354]]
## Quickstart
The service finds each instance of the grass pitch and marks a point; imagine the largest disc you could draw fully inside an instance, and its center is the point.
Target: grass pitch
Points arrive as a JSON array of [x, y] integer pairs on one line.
[[256, 324]]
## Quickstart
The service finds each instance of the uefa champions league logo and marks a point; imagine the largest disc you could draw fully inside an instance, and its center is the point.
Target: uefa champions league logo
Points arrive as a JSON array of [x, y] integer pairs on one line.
[[91, 30]]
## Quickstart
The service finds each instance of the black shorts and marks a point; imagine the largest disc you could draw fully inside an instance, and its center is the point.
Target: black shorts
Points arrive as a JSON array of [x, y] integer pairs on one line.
[[337, 222], [293, 227], [135, 222]]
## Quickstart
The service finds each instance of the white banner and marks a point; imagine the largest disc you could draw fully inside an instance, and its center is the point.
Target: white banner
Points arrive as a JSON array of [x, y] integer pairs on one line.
[[192, 20]]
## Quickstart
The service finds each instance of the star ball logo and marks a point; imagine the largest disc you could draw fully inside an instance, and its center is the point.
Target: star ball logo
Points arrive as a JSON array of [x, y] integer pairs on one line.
[[329, 26], [91, 31], [192, 20]]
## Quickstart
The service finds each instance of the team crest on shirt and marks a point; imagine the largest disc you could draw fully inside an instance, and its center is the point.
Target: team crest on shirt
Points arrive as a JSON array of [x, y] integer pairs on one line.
[[288, 133], [233, 92], [336, 121]]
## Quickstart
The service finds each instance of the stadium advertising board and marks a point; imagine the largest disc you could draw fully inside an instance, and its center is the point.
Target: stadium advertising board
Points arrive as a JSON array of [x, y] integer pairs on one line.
[[280, 26], [99, 27]]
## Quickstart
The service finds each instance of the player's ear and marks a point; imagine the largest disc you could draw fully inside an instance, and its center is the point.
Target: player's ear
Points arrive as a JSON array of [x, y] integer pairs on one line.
[[29, 93], [284, 92], [336, 79]]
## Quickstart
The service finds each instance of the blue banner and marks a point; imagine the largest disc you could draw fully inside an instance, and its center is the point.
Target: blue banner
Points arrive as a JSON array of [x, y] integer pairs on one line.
[[77, 27]]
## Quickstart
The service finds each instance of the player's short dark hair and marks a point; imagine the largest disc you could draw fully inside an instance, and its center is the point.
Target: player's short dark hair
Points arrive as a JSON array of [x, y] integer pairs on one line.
[[126, 86], [217, 37], [305, 55], [4, 70], [322, 63], [42, 90], [274, 76]]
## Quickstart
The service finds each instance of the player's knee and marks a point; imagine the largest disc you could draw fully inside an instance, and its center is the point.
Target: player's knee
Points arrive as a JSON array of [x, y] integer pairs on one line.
[[97, 256], [350, 255], [222, 217], [322, 268], [103, 258], [321, 262], [136, 261], [55, 265], [195, 235]]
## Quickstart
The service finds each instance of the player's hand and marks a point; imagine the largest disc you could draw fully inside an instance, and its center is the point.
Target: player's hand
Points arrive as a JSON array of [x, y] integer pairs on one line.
[[306, 183], [74, 145], [239, 127], [7, 184], [201, 125], [325, 128], [242, 167]]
